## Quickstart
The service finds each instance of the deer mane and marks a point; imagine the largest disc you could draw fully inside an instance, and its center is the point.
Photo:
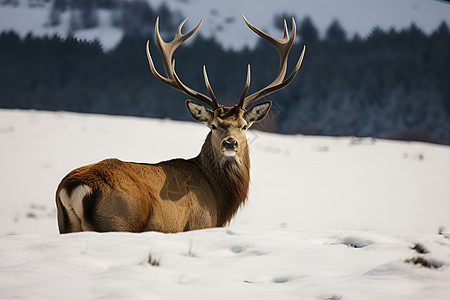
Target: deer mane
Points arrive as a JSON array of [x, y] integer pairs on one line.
[[229, 179]]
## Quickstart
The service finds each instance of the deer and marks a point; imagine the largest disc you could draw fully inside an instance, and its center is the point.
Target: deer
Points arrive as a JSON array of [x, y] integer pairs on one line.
[[179, 194]]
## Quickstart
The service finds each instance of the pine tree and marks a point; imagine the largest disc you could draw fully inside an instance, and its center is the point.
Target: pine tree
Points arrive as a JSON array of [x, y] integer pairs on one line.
[[335, 32], [308, 31]]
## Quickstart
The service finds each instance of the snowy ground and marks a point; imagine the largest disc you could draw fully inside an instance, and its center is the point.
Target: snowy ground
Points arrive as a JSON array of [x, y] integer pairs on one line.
[[327, 218]]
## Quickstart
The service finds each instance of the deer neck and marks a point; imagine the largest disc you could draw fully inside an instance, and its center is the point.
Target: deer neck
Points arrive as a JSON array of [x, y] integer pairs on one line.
[[229, 178]]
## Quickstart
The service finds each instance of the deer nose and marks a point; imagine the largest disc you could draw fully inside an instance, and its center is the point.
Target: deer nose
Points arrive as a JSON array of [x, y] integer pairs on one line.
[[229, 144]]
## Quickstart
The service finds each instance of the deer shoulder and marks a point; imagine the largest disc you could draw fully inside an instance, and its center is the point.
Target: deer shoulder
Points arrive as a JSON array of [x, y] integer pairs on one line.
[[176, 195]]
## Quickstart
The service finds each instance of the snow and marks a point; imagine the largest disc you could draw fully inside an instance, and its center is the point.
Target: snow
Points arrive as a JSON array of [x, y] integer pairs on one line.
[[327, 218], [222, 18], [108, 35], [356, 16]]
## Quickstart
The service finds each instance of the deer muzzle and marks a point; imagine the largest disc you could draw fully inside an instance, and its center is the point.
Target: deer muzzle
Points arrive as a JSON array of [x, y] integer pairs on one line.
[[229, 147]]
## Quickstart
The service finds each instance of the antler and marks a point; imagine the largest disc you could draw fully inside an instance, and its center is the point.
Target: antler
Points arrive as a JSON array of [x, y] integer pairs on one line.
[[283, 47], [171, 79]]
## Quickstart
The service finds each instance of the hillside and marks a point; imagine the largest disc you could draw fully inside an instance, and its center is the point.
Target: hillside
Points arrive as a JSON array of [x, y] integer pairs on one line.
[[327, 218], [108, 20]]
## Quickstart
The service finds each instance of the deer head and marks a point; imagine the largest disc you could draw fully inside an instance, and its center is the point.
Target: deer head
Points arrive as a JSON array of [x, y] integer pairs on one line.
[[228, 125], [205, 191]]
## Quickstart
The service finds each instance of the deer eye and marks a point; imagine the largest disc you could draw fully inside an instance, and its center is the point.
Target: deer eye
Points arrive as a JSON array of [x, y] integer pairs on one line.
[[244, 127], [213, 127]]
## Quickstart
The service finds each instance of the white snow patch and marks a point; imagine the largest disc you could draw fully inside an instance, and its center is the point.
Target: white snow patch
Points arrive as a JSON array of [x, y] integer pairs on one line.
[[222, 19], [334, 224]]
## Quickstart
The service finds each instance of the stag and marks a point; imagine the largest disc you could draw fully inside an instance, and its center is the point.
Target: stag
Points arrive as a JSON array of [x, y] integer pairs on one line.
[[179, 194]]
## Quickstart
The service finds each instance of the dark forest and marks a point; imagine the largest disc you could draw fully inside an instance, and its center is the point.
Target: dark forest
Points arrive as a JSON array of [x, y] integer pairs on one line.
[[390, 84]]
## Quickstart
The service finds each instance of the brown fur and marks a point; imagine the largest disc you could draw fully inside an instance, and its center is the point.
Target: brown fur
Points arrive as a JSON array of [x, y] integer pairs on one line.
[[228, 179], [171, 196], [175, 195]]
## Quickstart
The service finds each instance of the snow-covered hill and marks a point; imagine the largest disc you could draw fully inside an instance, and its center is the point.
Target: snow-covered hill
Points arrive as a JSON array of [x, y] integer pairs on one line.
[[327, 218], [222, 18]]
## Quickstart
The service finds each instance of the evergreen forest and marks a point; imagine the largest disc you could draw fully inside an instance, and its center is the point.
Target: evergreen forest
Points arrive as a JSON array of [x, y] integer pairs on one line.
[[390, 84]]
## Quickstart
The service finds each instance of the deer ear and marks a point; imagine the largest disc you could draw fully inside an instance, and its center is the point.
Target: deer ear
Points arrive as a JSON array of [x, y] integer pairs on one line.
[[199, 112], [257, 112]]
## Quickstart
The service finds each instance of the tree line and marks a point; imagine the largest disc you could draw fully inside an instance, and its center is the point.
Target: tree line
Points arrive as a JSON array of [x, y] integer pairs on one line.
[[390, 84]]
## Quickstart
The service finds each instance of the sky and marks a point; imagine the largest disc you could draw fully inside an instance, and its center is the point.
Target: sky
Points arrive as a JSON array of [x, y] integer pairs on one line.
[[222, 19], [356, 16]]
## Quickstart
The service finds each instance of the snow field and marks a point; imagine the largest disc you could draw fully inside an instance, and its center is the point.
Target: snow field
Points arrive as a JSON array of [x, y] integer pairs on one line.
[[221, 263], [327, 218]]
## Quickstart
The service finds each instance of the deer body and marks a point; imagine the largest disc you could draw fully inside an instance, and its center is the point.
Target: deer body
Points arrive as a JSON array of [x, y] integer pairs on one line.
[[156, 198], [169, 196], [175, 195]]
